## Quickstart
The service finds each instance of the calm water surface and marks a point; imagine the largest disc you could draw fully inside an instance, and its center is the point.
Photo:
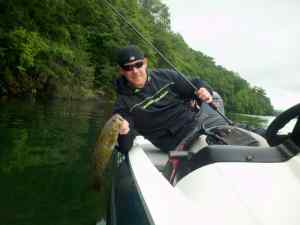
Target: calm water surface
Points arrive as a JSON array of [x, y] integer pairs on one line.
[[44, 162], [45, 150], [261, 121]]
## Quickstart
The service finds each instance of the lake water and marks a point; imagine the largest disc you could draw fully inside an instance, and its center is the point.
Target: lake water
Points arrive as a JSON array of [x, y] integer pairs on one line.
[[261, 121], [44, 162], [45, 150]]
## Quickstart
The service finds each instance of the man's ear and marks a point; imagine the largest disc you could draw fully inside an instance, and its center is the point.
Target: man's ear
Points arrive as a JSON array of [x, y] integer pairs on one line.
[[146, 61]]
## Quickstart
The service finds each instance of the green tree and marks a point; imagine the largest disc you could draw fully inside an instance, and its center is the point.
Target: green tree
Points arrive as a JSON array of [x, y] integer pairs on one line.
[[67, 48]]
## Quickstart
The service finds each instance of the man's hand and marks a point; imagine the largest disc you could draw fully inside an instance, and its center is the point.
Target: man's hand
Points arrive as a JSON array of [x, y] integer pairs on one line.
[[204, 95], [124, 127]]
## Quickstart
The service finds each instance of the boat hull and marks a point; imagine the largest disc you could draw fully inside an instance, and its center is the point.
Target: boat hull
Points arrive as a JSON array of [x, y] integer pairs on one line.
[[263, 190]]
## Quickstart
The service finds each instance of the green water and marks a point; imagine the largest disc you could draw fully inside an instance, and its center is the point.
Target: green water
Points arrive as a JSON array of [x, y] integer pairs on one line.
[[262, 122], [253, 121], [44, 162], [45, 150]]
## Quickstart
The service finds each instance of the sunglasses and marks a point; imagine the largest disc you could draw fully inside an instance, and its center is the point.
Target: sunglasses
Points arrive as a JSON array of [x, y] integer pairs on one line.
[[130, 67]]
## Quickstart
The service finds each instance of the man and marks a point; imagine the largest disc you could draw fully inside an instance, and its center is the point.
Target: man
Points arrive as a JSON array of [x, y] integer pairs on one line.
[[155, 104]]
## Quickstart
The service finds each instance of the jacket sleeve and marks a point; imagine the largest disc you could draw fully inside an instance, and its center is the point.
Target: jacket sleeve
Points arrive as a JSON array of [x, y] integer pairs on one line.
[[125, 142], [183, 88]]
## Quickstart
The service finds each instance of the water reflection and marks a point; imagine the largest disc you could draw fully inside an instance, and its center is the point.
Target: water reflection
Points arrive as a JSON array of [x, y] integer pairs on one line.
[[45, 150], [44, 162]]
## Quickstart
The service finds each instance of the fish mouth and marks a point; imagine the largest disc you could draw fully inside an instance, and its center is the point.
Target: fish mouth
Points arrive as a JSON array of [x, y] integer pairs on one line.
[[118, 118]]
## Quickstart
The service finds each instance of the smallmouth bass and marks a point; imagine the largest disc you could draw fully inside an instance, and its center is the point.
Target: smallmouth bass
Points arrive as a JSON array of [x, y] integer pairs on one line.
[[105, 145]]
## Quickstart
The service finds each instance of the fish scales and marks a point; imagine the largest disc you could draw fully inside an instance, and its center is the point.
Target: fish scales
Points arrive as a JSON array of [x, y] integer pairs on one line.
[[105, 144]]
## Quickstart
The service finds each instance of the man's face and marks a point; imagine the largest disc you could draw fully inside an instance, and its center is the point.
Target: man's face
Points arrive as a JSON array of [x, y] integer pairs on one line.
[[135, 72]]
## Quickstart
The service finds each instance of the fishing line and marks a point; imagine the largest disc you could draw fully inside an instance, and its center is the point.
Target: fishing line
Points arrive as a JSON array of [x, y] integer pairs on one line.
[[212, 105]]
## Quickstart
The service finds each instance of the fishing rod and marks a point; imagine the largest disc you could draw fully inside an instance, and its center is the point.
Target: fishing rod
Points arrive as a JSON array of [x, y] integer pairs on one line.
[[212, 105]]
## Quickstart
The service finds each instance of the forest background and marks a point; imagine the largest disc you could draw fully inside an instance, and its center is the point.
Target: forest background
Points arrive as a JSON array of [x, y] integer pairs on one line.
[[67, 49]]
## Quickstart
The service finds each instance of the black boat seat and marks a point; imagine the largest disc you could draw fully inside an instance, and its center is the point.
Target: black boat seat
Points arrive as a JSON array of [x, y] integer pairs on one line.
[[232, 153], [228, 153]]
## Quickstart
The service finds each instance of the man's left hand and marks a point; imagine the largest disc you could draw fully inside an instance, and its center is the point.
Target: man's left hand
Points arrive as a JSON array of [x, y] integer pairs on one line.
[[203, 94]]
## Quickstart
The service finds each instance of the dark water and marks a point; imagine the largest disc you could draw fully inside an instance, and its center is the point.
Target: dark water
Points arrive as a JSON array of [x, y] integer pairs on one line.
[[45, 150], [44, 162]]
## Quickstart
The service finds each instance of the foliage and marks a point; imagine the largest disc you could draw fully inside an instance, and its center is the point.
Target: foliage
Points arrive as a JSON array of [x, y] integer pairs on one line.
[[25, 46], [67, 48]]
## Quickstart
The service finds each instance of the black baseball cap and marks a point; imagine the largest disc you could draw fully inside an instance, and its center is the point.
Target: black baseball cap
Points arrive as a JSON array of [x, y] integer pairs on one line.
[[129, 54]]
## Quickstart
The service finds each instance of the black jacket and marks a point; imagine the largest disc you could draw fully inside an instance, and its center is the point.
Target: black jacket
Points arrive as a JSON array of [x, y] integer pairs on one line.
[[160, 111]]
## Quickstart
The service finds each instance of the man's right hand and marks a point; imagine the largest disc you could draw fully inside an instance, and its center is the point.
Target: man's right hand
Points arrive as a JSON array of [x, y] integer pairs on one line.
[[124, 127], [204, 95]]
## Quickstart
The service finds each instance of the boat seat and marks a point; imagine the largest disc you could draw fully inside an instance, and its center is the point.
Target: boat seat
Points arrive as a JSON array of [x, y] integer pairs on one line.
[[210, 154], [160, 158], [232, 153]]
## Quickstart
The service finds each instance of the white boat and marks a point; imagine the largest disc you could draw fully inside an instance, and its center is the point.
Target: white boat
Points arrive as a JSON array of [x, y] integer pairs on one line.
[[224, 185]]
